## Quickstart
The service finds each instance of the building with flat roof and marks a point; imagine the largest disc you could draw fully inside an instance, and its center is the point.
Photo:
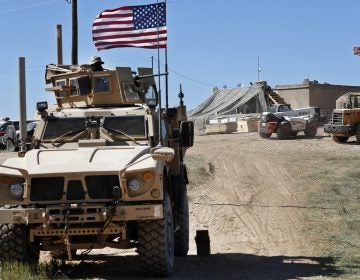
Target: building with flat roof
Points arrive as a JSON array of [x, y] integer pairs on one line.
[[313, 93]]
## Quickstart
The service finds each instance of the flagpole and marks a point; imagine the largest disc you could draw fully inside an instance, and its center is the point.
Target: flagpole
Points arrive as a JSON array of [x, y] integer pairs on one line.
[[166, 71], [159, 79]]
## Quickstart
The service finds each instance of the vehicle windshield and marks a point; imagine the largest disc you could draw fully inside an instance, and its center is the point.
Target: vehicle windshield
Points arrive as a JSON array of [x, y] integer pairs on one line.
[[124, 128], [284, 108], [356, 101], [279, 108]]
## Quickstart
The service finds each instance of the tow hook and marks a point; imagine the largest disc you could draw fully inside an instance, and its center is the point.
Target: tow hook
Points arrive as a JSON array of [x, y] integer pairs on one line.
[[47, 219]]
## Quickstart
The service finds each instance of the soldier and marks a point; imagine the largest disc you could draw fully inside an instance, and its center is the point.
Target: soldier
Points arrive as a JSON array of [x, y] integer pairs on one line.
[[96, 63]]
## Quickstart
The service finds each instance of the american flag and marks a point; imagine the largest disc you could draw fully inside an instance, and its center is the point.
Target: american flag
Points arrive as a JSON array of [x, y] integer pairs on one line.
[[356, 50], [131, 26]]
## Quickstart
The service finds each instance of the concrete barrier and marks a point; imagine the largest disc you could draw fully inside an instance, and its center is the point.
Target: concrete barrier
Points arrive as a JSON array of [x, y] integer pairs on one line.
[[247, 125], [221, 128]]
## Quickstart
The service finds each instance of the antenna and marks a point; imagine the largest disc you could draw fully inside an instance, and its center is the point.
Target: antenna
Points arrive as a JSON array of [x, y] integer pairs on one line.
[[258, 69]]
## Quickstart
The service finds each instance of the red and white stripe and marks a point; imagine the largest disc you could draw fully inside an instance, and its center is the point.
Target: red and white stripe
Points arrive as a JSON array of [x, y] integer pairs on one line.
[[115, 28]]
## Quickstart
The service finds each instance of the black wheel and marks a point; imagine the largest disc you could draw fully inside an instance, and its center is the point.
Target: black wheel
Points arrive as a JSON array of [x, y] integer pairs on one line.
[[181, 213], [339, 139], [311, 129], [357, 134], [156, 243], [264, 135], [15, 245], [283, 131]]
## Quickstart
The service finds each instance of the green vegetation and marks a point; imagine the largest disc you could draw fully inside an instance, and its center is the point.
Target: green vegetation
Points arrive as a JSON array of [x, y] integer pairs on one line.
[[18, 271], [338, 225]]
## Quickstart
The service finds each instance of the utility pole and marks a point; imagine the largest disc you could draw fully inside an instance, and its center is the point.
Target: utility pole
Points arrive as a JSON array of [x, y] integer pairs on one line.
[[59, 44], [74, 50], [22, 99]]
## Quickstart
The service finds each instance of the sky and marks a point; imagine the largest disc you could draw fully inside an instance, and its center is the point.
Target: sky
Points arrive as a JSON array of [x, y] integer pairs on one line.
[[210, 44]]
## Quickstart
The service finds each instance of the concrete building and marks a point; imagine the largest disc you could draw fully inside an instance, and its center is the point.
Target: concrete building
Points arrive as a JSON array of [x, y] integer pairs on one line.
[[313, 93]]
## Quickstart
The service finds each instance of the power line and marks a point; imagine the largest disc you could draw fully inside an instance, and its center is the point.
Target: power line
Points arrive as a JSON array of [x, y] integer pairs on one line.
[[189, 78], [29, 6]]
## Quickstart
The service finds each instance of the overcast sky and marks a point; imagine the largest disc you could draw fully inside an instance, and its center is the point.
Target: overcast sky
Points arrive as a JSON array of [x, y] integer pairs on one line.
[[210, 43]]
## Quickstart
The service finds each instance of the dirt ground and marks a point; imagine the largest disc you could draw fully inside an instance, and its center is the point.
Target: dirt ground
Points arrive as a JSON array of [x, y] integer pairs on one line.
[[252, 195]]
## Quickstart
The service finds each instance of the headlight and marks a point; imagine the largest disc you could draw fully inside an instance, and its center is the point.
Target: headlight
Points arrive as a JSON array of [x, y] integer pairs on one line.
[[17, 190], [265, 117], [139, 183], [11, 189], [134, 184]]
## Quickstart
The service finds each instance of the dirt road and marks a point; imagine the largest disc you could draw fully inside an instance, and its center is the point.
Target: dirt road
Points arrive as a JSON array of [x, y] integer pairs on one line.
[[255, 204], [252, 195]]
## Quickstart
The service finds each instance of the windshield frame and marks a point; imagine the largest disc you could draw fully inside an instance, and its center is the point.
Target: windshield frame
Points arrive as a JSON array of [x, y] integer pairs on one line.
[[60, 130]]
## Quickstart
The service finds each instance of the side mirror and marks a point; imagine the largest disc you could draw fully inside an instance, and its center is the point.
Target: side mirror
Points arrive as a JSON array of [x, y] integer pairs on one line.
[[186, 134], [41, 107], [162, 153]]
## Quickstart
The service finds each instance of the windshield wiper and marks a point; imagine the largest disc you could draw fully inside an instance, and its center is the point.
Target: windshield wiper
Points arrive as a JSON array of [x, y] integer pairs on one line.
[[78, 133], [123, 133]]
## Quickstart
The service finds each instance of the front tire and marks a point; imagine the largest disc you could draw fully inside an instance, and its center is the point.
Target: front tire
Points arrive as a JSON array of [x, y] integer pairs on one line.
[[284, 131], [311, 129], [357, 134], [181, 214], [156, 243], [339, 139], [15, 246]]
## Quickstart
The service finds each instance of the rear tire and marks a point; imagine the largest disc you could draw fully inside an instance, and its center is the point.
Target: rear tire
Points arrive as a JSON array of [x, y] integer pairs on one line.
[[311, 129], [339, 139], [156, 243], [284, 131], [264, 135]]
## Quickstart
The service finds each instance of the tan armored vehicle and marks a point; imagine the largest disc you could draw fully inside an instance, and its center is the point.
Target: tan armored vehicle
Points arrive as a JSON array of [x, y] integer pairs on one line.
[[106, 170]]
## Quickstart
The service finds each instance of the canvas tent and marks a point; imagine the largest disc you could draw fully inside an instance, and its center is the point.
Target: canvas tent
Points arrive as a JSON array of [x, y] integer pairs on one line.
[[222, 102]]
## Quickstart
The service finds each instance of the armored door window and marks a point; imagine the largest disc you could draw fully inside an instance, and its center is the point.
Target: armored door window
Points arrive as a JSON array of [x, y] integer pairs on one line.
[[101, 84], [151, 96], [60, 83], [130, 92], [73, 87]]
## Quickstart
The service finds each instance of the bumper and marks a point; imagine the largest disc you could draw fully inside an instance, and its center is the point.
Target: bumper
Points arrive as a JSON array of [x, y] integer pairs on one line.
[[340, 129], [80, 214]]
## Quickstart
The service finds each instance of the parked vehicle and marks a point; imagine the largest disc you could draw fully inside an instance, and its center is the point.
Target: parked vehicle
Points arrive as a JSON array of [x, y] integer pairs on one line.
[[30, 127], [345, 120], [286, 122], [107, 170], [3, 128]]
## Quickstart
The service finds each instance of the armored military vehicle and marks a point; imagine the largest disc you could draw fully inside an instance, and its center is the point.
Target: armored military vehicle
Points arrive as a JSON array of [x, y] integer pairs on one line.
[[106, 170]]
